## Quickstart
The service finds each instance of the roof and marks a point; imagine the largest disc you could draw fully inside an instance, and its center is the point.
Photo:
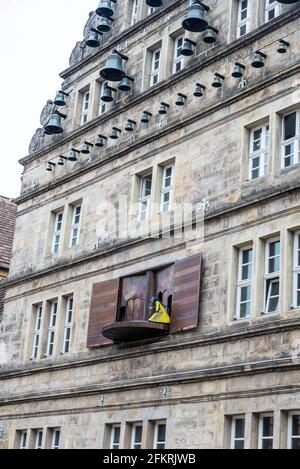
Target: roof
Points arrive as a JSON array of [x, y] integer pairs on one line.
[[7, 226]]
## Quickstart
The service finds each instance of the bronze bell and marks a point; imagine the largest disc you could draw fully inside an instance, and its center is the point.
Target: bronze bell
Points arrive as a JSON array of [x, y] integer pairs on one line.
[[130, 126], [94, 38], [126, 83], [61, 160], [101, 141], [238, 71], [195, 20], [73, 154], [105, 8], [154, 3], [86, 148], [180, 99], [258, 59], [105, 25], [163, 108], [50, 166], [282, 46], [199, 91], [210, 35], [107, 96], [113, 69], [217, 83], [60, 99], [54, 126], [188, 47], [146, 117], [114, 135]]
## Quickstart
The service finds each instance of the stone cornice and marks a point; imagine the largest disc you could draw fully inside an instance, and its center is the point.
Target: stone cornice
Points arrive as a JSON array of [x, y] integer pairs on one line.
[[200, 375], [235, 332], [243, 203], [200, 63]]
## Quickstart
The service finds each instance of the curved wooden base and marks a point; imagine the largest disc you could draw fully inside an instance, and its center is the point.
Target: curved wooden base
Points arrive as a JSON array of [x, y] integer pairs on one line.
[[129, 331]]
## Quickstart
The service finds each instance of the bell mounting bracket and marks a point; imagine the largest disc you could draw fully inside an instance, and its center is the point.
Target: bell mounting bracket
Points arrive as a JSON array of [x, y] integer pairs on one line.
[[182, 95], [124, 57], [261, 54], [51, 163], [198, 2], [193, 43], [164, 104], [117, 129], [220, 76], [64, 93], [102, 136], [131, 121], [213, 29], [74, 149], [129, 78], [238, 64], [148, 113], [63, 157], [285, 43], [60, 114], [89, 143], [201, 86], [97, 31], [107, 87]]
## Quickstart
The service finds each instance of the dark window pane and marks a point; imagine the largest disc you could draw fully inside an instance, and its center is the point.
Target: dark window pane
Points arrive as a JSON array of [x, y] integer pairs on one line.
[[267, 444], [268, 426], [239, 445], [290, 126], [296, 425], [161, 434], [240, 428], [296, 443]]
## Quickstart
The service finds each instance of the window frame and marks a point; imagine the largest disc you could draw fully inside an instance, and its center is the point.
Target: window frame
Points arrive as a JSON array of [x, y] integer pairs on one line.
[[75, 225], [22, 434], [296, 269], [53, 442], [84, 115], [38, 312], [114, 445], [134, 444], [177, 57], [134, 17], [263, 153], [145, 198], [293, 141], [68, 324], [167, 189], [157, 442], [233, 438], [290, 437], [58, 229], [39, 444], [244, 283], [102, 107], [271, 277], [270, 7], [241, 22], [52, 328], [261, 437], [155, 72]]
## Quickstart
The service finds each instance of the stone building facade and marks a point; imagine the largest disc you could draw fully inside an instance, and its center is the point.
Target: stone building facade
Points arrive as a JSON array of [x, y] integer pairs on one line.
[[226, 372], [7, 226]]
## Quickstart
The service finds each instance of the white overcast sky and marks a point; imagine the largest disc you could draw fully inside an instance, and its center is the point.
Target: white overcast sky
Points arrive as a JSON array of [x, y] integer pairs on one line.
[[36, 40]]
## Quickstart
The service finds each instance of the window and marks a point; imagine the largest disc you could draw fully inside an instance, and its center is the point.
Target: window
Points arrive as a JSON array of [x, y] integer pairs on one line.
[[85, 108], [55, 438], [150, 10], [146, 188], [243, 24], [167, 188], [272, 276], [23, 439], [294, 431], [266, 432], [134, 13], [102, 105], [244, 288], [37, 331], [178, 58], [75, 225], [136, 438], [160, 435], [115, 437], [259, 152], [51, 329], [238, 433], [68, 324], [155, 67], [39, 439], [272, 10], [296, 289], [57, 231], [291, 138]]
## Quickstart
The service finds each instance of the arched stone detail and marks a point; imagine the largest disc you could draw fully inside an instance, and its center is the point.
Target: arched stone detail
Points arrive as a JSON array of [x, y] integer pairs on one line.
[[47, 112], [77, 53], [37, 141]]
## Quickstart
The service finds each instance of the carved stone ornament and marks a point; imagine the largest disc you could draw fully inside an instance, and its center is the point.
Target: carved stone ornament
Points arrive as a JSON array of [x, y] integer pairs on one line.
[[47, 112], [77, 53], [37, 141], [91, 23]]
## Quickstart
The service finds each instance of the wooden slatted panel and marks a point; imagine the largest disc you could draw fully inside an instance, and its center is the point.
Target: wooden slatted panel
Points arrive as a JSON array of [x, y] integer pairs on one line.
[[103, 311], [186, 294]]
